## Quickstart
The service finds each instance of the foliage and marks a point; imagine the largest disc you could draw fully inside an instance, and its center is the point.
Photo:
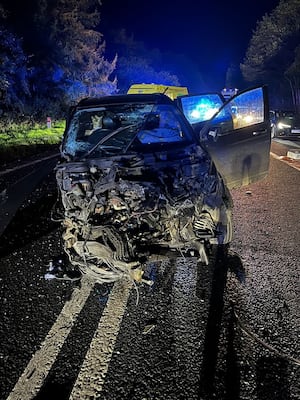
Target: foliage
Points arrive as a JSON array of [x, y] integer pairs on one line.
[[13, 73], [272, 56], [137, 64], [234, 77], [77, 49], [60, 60], [292, 74], [137, 70], [29, 133]]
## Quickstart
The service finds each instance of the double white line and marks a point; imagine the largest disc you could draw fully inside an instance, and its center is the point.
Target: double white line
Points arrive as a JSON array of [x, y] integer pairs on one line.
[[91, 377]]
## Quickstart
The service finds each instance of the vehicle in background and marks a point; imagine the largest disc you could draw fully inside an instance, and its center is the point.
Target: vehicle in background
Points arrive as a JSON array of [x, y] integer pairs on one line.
[[148, 88], [284, 123], [137, 179]]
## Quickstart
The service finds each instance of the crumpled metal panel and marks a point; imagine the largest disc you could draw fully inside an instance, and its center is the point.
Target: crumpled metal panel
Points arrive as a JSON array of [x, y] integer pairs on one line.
[[119, 210]]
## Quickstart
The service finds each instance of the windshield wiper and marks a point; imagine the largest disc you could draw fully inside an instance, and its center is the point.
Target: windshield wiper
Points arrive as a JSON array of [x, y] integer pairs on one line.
[[106, 138]]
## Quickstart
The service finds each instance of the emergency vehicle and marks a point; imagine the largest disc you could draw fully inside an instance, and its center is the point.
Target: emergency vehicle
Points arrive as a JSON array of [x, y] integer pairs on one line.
[[148, 88]]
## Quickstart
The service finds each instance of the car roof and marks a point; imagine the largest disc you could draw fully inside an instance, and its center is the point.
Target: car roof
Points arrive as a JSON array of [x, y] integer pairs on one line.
[[124, 98]]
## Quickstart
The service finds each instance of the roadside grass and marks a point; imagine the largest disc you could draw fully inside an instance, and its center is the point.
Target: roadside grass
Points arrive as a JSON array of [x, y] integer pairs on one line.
[[18, 141], [30, 134]]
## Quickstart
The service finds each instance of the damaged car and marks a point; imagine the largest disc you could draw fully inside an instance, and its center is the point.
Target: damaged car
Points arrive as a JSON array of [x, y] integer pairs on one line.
[[142, 175]]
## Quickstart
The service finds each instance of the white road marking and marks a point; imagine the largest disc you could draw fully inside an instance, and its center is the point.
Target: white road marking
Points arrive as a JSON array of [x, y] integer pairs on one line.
[[91, 377], [287, 142], [188, 338], [39, 366], [7, 171], [292, 163]]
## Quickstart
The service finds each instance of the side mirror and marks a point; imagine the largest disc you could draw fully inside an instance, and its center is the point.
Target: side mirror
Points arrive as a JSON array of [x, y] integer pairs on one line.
[[213, 133], [210, 134]]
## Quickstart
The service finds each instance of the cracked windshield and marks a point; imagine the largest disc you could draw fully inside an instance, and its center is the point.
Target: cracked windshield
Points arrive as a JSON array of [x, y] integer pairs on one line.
[[114, 130]]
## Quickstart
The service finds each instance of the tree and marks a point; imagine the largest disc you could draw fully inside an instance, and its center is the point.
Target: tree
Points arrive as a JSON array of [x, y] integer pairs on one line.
[[132, 70], [233, 77], [292, 74], [14, 87], [137, 64], [272, 54], [65, 52], [72, 48]]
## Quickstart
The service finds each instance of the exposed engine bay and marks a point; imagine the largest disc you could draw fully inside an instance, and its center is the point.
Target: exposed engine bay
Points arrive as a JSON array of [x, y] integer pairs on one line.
[[144, 176], [121, 210]]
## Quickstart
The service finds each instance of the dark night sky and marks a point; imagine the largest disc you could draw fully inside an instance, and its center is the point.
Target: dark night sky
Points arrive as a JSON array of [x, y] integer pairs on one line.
[[212, 33]]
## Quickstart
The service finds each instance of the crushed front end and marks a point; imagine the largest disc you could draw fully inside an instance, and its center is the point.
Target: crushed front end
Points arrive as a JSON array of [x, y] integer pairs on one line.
[[123, 207]]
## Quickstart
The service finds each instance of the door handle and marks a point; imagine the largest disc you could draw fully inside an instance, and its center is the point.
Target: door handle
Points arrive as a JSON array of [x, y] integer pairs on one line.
[[256, 133]]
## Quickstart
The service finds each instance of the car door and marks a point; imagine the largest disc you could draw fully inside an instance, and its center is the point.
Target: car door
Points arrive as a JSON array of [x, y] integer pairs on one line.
[[238, 137]]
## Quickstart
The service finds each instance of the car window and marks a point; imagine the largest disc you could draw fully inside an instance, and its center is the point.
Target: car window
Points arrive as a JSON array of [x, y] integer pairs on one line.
[[118, 128], [244, 110], [165, 127], [200, 108]]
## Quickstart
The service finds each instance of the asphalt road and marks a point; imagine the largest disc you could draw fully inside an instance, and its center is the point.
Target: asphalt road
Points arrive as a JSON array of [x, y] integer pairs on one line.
[[229, 330]]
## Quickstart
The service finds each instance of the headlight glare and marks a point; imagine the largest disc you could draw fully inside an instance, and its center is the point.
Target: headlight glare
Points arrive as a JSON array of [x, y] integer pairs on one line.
[[280, 125]]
